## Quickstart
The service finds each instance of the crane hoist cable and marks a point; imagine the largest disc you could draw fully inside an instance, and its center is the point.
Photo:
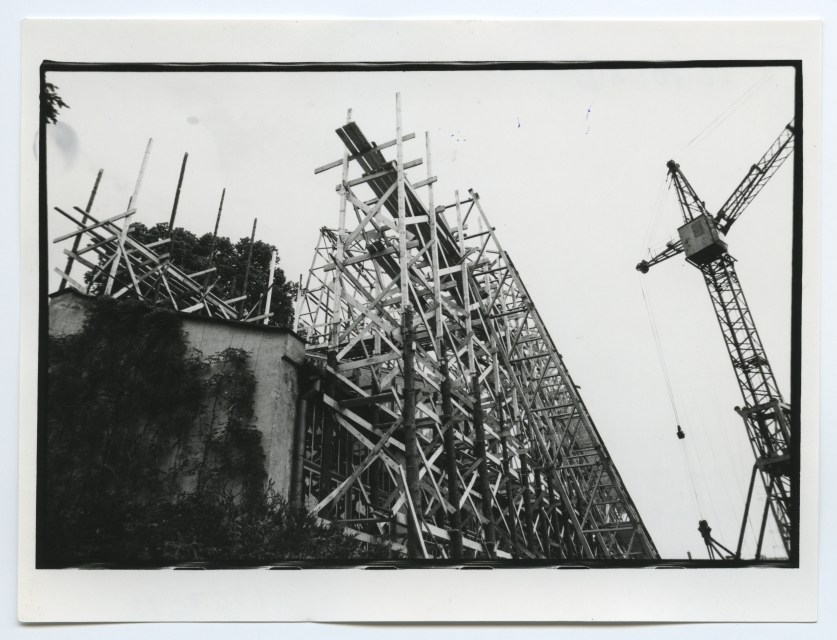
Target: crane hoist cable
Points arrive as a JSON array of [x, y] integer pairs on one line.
[[686, 458], [656, 214], [726, 113]]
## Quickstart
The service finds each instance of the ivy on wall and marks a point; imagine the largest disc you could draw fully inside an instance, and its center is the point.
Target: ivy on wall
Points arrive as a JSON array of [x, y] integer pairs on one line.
[[153, 457]]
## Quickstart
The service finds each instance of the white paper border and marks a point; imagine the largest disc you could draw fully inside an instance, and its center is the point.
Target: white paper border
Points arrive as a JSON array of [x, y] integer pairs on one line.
[[527, 594]]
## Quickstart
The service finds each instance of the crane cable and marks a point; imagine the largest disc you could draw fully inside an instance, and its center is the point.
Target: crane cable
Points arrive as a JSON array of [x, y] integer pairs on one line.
[[726, 113], [686, 460]]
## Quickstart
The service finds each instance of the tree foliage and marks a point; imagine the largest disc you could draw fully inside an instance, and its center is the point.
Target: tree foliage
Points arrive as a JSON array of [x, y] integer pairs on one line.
[[153, 457], [192, 254], [52, 102]]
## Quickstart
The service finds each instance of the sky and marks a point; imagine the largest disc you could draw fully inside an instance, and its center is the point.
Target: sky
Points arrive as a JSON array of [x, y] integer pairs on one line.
[[570, 167]]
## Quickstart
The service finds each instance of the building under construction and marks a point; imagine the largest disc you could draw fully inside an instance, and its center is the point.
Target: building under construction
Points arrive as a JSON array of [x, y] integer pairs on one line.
[[433, 410]]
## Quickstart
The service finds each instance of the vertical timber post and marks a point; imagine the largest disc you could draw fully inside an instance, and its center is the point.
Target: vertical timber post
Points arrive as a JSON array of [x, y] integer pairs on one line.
[[527, 501], [504, 443], [297, 305], [270, 286], [544, 524], [126, 224], [172, 239], [451, 470], [376, 468], [177, 200], [454, 517], [215, 233], [327, 450], [408, 415], [560, 534], [480, 454], [300, 429], [242, 304], [479, 429], [408, 411], [327, 455]]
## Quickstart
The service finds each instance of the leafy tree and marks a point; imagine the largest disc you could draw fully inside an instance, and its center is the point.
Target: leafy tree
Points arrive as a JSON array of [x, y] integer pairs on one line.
[[192, 254], [52, 102]]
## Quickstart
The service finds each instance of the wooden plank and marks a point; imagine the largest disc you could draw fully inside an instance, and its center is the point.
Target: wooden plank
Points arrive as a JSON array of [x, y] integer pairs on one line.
[[70, 281], [92, 226], [261, 317], [424, 183], [347, 483], [535, 356], [369, 256], [367, 400], [470, 486], [457, 268], [144, 276], [201, 273], [370, 213], [385, 145], [380, 174], [555, 406], [96, 245], [357, 364], [366, 537]]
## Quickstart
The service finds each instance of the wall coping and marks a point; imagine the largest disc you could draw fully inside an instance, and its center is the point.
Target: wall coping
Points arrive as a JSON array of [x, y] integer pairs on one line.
[[249, 326]]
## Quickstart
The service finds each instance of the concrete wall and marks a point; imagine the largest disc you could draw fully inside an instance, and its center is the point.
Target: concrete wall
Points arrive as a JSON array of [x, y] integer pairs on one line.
[[276, 378]]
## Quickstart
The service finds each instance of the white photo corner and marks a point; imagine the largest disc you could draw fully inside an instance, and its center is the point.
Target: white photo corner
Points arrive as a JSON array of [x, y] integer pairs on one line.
[[309, 318]]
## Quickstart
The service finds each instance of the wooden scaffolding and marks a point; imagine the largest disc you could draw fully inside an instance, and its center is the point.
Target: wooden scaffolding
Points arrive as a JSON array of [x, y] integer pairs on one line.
[[442, 418], [121, 265]]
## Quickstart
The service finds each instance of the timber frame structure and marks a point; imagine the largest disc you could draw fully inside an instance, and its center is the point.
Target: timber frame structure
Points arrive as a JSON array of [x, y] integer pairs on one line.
[[441, 417]]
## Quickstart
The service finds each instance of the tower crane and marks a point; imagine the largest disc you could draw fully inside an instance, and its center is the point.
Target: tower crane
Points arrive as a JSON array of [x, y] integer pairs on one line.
[[765, 413]]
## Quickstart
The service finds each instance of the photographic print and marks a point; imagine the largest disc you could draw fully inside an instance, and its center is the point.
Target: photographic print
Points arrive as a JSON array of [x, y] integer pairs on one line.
[[440, 315]]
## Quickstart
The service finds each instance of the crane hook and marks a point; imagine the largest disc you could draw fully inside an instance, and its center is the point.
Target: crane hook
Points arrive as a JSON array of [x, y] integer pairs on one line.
[[680, 433]]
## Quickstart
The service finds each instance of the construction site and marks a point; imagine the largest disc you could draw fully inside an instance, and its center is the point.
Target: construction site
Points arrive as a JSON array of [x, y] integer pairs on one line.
[[417, 397]]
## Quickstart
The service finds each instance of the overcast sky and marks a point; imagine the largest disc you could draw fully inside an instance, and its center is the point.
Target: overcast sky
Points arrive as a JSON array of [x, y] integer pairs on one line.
[[570, 167]]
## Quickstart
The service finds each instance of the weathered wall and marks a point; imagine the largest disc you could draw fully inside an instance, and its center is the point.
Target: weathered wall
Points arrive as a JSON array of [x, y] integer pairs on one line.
[[270, 348]]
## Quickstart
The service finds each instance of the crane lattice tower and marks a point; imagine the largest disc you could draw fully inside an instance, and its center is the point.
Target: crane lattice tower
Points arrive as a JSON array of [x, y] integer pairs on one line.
[[767, 417]]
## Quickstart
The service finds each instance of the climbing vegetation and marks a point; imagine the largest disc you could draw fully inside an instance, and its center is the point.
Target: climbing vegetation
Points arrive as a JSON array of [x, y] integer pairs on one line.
[[152, 454]]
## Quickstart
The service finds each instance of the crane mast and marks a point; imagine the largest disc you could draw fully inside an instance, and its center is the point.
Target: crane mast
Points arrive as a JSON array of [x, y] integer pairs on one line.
[[765, 413]]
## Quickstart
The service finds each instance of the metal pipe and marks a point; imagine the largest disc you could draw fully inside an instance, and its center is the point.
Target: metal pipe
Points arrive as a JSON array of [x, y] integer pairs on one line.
[[764, 518], [746, 513]]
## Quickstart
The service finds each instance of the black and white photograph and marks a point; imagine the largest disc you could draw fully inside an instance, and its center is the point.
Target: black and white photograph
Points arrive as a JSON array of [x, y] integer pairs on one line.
[[421, 316]]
